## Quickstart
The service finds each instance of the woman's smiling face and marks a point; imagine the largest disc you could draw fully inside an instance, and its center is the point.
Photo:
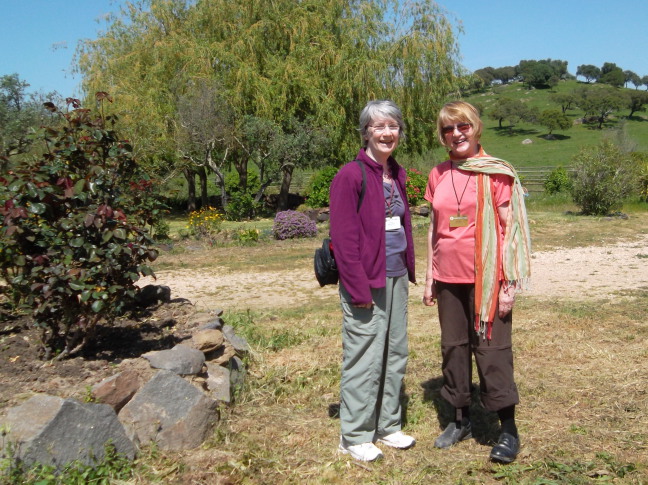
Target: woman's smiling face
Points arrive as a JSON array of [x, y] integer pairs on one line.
[[460, 139], [382, 137]]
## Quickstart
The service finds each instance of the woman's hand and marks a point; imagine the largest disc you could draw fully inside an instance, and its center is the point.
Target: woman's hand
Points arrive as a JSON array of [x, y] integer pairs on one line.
[[506, 299], [364, 305], [429, 294]]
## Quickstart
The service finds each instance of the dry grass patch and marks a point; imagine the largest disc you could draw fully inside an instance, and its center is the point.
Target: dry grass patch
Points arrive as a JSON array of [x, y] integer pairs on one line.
[[583, 417], [580, 366], [552, 230]]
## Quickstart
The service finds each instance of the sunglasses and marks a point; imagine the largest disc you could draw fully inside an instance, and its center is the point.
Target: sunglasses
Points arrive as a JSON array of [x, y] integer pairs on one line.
[[462, 127]]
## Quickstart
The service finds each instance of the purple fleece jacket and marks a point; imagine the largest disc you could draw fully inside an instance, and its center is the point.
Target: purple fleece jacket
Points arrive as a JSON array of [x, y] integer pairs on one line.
[[359, 237]]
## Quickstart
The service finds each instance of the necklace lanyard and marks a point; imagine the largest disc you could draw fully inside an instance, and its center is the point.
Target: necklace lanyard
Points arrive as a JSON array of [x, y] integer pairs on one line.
[[389, 202], [455, 190]]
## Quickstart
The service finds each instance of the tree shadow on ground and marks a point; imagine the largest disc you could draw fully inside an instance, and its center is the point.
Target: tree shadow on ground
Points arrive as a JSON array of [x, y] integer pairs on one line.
[[485, 424], [130, 337], [508, 131], [554, 137]]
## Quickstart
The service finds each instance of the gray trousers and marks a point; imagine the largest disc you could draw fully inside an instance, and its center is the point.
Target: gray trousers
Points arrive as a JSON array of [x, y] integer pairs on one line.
[[374, 342]]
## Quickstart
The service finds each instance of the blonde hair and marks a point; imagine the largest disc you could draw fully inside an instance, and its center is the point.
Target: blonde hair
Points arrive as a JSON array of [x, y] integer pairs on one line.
[[459, 112]]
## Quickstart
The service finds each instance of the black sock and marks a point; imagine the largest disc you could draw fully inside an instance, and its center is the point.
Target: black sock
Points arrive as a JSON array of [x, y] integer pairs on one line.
[[462, 416], [507, 420]]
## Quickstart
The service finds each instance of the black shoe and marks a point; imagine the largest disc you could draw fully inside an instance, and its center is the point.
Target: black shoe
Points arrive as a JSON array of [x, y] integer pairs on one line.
[[451, 435], [506, 449]]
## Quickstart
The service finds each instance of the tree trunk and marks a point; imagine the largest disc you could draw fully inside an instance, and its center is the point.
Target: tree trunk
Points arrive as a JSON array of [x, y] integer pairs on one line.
[[202, 176], [190, 175], [287, 171], [216, 168], [261, 191], [241, 168]]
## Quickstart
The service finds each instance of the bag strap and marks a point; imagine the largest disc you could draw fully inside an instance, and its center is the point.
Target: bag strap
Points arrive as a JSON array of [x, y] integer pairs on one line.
[[364, 184]]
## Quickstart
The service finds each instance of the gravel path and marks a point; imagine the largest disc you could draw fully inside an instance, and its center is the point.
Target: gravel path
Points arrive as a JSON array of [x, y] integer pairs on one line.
[[579, 273]]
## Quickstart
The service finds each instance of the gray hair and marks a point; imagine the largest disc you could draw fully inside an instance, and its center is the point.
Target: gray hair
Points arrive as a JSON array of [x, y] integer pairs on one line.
[[380, 108]]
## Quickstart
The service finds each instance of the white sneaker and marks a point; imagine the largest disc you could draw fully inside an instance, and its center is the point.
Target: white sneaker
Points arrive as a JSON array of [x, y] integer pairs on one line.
[[397, 440], [361, 452]]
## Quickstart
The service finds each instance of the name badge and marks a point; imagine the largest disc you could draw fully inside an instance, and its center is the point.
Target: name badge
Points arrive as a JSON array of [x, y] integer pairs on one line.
[[392, 223], [458, 221]]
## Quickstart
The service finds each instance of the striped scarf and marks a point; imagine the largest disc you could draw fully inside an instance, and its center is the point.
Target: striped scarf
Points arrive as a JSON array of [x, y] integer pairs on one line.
[[515, 256]]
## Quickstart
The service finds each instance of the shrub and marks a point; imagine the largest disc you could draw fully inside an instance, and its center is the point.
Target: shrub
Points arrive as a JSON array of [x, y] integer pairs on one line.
[[247, 236], [205, 223], [72, 244], [641, 160], [319, 187], [292, 224], [603, 177], [241, 206], [557, 181], [415, 186], [240, 203]]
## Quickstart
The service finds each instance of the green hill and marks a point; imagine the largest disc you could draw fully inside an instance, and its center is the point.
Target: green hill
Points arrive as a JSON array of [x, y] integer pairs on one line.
[[507, 144]]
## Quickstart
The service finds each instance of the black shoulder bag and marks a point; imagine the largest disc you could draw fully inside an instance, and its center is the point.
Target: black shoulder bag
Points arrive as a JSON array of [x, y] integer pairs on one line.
[[326, 270]]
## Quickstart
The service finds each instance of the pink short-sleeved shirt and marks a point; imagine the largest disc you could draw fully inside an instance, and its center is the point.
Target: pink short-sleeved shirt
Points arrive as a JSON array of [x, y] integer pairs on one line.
[[451, 189]]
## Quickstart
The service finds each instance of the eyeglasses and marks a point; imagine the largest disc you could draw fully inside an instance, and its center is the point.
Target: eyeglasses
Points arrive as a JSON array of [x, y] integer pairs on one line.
[[382, 128], [462, 127]]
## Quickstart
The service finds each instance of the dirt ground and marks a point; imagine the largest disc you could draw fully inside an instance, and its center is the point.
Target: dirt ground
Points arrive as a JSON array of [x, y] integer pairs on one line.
[[579, 273], [582, 273]]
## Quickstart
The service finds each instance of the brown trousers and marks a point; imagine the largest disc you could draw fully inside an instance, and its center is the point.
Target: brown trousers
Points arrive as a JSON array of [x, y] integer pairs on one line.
[[494, 358]]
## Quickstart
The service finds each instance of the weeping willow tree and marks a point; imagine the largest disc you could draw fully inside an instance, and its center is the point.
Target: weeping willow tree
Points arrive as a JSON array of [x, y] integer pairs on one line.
[[316, 62]]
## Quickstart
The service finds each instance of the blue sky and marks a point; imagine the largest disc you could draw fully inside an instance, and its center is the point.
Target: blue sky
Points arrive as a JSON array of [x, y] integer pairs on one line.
[[39, 37]]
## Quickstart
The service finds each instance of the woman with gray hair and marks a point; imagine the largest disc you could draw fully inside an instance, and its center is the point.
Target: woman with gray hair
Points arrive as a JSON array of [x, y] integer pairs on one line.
[[371, 232]]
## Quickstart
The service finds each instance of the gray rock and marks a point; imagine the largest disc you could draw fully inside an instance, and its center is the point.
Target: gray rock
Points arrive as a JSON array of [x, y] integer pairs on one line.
[[215, 324], [323, 215], [181, 359], [420, 210], [169, 411], [117, 390], [237, 373], [54, 431], [238, 342], [200, 318], [218, 382], [527, 141]]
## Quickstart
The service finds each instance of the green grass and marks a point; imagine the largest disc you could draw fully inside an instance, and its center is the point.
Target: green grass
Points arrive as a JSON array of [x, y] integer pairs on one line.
[[507, 143]]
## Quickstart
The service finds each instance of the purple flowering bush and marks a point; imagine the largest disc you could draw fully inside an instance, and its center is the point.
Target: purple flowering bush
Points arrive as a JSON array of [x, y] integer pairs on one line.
[[292, 224]]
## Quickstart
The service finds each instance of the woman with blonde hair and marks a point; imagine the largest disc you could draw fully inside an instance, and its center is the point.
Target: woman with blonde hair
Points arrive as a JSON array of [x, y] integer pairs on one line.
[[478, 257]]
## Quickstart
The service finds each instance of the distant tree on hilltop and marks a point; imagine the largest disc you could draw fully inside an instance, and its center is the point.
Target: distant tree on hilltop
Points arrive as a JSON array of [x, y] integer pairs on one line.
[[534, 73], [631, 77], [612, 74], [589, 72]]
